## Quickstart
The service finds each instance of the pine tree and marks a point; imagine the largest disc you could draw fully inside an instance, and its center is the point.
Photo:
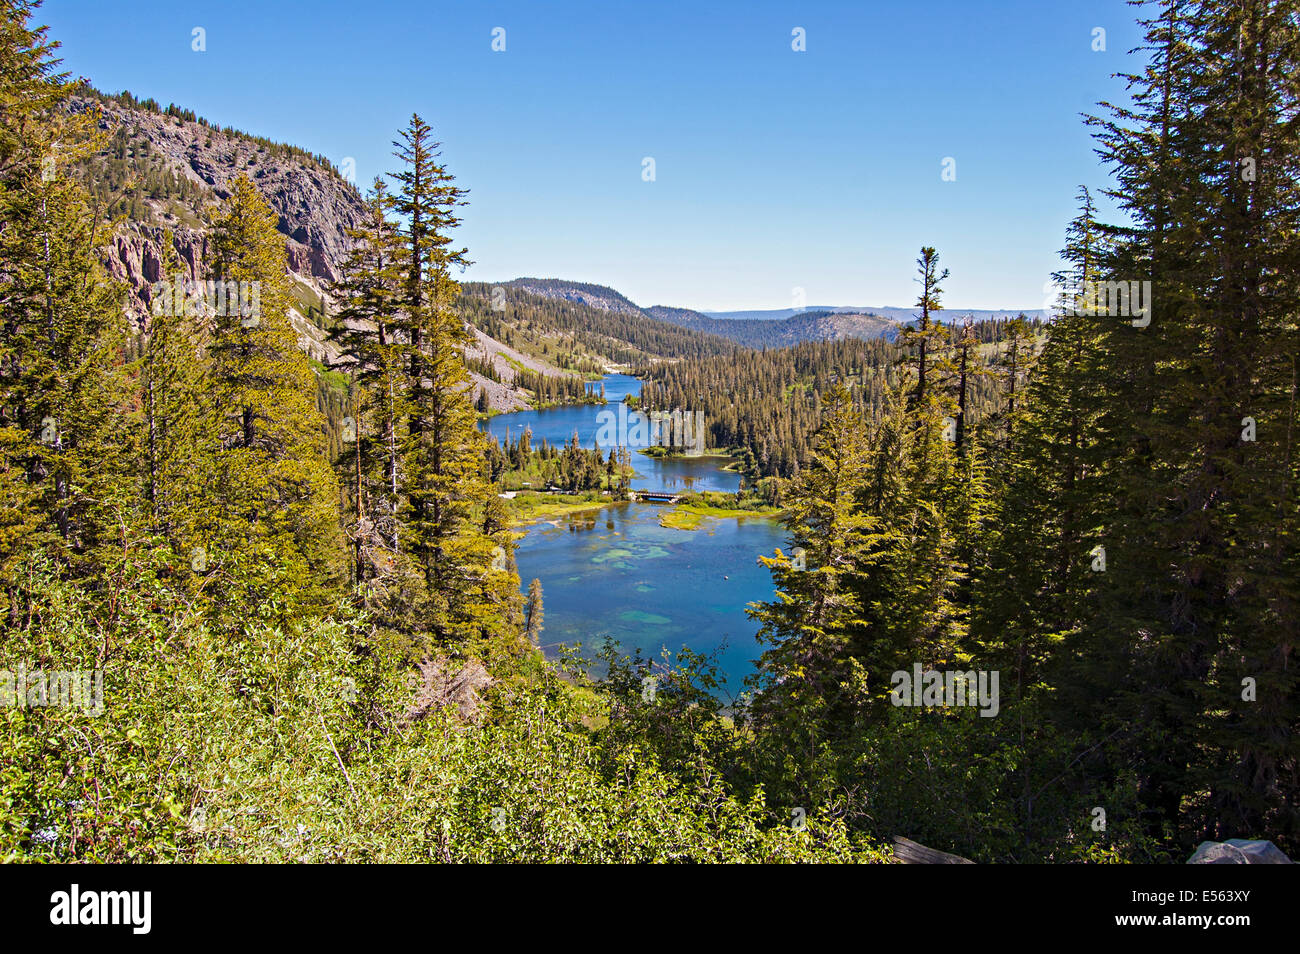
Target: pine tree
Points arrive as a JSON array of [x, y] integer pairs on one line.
[[67, 445], [31, 87], [964, 344], [1207, 515], [810, 688], [927, 335], [1053, 503], [1017, 359], [365, 331], [179, 440], [444, 455], [273, 489]]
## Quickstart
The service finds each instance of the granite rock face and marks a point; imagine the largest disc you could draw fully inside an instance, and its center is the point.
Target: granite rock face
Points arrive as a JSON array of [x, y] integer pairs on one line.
[[316, 206], [1238, 851], [135, 257]]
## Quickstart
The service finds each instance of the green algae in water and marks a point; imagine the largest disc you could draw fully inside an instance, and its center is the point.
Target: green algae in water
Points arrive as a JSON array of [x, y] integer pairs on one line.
[[647, 619]]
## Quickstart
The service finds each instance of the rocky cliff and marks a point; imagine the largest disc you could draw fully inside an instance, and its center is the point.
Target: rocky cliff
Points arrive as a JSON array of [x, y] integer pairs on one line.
[[176, 169], [582, 293], [315, 204], [162, 172]]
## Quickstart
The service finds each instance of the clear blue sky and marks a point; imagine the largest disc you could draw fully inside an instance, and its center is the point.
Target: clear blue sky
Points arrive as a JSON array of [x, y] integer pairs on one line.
[[774, 168]]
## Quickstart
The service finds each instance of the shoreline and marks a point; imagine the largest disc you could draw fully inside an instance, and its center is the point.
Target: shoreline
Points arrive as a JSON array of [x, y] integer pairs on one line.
[[682, 516]]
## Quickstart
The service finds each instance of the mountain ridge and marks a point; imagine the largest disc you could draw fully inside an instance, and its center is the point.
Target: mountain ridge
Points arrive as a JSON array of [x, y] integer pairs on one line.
[[162, 171], [780, 327], [893, 312]]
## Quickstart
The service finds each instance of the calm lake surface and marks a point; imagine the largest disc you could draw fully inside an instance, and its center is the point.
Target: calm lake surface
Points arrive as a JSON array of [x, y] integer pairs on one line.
[[615, 572], [557, 425]]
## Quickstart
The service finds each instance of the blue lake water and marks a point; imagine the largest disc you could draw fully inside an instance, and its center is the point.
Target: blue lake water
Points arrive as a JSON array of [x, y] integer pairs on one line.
[[615, 572], [557, 425]]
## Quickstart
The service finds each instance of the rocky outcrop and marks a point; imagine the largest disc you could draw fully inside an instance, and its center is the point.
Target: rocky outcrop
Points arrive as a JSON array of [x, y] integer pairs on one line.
[[1238, 851], [316, 206], [135, 256], [583, 293]]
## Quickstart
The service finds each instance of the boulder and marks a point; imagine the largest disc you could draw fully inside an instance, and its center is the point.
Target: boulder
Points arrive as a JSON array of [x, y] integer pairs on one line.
[[1238, 851]]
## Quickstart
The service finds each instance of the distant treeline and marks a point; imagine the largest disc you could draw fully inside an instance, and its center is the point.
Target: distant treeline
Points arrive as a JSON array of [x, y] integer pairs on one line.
[[766, 404], [570, 467]]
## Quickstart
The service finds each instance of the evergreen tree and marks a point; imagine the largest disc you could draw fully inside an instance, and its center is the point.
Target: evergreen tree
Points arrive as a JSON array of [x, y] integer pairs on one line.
[[809, 686], [927, 335], [63, 396], [371, 465], [179, 441], [273, 490], [443, 483], [1052, 503], [1206, 515]]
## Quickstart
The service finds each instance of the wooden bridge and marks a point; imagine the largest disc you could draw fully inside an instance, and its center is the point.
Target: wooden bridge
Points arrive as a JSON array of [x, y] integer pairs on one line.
[[655, 496]]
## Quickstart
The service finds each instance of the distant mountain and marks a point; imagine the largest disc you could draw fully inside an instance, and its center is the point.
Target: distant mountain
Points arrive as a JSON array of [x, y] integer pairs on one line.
[[772, 328], [594, 296], [780, 333], [902, 315], [686, 318], [773, 332]]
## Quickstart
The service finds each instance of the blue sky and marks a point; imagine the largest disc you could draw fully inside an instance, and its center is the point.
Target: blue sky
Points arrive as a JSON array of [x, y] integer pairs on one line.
[[774, 169]]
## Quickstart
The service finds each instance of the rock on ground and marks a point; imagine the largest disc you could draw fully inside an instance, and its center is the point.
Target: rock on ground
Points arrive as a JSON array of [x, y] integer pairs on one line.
[[1238, 851]]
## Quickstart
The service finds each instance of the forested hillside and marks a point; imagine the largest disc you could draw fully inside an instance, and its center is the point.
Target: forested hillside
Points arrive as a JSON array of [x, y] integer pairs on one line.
[[1122, 549], [561, 330], [765, 405], [783, 332], [756, 333]]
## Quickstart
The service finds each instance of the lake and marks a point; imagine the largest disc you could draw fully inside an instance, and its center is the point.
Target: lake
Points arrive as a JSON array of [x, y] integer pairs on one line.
[[615, 572], [557, 425]]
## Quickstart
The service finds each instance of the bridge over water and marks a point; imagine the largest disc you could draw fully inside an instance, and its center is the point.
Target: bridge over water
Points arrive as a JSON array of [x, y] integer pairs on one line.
[[655, 496]]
